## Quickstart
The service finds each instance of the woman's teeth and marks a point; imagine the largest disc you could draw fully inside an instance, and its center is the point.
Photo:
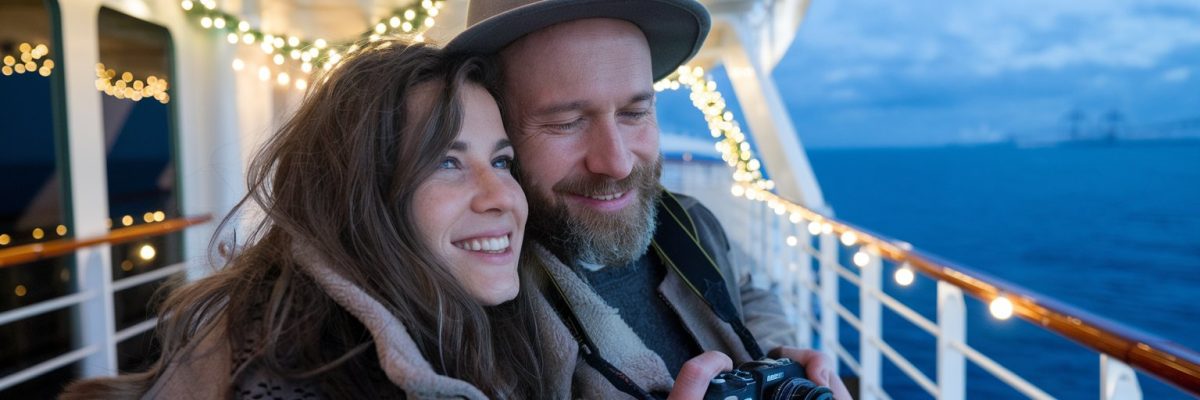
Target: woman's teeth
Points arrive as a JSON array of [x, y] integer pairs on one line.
[[606, 197], [497, 244]]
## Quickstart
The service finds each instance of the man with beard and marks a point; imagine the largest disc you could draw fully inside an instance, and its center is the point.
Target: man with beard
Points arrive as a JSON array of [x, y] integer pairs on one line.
[[641, 277]]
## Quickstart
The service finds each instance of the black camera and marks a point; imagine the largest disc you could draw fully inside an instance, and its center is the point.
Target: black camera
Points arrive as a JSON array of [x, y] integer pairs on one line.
[[766, 379]]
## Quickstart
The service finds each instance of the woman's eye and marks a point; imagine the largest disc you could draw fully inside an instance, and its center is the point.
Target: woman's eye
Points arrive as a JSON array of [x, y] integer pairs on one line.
[[504, 162], [450, 163]]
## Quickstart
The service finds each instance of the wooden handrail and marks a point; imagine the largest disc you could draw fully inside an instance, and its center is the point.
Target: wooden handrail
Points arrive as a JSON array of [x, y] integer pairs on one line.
[[1167, 360], [38, 251]]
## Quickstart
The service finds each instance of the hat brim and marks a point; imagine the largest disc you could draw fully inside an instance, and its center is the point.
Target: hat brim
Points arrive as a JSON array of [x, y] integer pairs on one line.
[[674, 29]]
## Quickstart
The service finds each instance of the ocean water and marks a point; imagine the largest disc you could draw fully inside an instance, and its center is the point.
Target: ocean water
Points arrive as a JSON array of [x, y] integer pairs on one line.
[[1113, 230]]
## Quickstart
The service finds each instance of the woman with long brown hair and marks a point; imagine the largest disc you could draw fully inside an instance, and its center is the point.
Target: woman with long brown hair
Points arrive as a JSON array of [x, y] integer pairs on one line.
[[385, 263]]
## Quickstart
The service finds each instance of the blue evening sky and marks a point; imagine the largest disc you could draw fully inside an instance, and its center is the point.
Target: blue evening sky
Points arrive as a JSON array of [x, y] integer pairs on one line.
[[866, 73]]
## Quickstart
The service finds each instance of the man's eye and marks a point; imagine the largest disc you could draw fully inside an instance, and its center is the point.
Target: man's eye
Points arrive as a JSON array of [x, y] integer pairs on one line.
[[503, 162], [567, 126], [450, 163], [635, 114]]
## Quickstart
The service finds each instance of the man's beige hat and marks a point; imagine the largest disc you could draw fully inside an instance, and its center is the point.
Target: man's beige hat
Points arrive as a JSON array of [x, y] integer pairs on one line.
[[675, 29]]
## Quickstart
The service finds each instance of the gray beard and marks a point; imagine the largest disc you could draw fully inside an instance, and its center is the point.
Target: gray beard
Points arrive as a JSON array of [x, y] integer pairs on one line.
[[598, 239]]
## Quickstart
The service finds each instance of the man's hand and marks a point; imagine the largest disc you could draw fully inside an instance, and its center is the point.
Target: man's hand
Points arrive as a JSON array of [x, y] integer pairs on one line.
[[695, 374], [817, 366]]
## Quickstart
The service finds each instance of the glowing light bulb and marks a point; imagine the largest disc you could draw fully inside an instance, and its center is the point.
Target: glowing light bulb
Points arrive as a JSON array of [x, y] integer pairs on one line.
[[795, 218], [159, 216], [127, 220], [814, 228], [243, 26], [849, 238], [861, 258], [232, 38], [1001, 308], [905, 276], [219, 23], [283, 79], [187, 5], [206, 22], [238, 64], [737, 190], [147, 252], [792, 241], [38, 233], [5, 239]]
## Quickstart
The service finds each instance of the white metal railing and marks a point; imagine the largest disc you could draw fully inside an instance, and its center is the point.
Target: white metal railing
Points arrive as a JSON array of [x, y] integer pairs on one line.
[[94, 327], [108, 337], [752, 226]]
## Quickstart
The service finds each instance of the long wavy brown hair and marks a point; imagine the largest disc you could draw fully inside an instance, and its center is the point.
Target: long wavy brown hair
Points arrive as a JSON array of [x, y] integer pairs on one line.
[[340, 176]]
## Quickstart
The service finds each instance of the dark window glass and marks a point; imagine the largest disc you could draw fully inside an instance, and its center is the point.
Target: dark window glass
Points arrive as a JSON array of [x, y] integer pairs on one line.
[[135, 77], [34, 206]]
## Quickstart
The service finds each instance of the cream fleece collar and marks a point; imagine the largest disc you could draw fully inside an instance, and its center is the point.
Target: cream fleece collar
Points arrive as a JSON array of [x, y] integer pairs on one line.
[[399, 356], [617, 342]]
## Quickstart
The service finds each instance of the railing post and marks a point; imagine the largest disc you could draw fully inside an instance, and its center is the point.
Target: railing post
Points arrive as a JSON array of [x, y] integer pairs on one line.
[[93, 320], [803, 275], [829, 297], [952, 328], [1117, 380], [870, 313]]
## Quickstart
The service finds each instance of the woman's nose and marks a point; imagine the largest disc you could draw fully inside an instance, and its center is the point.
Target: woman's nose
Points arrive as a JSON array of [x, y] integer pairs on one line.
[[493, 194]]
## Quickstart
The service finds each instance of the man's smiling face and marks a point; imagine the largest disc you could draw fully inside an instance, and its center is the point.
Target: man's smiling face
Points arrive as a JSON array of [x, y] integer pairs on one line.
[[581, 115]]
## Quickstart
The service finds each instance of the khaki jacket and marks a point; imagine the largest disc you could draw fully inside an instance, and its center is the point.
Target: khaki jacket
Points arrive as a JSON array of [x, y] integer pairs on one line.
[[620, 346]]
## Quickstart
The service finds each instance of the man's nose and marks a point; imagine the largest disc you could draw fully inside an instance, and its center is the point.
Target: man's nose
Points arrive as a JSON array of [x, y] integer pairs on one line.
[[607, 153]]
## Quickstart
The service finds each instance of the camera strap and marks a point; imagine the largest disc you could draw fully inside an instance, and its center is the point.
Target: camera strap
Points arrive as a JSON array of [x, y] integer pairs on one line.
[[678, 245]]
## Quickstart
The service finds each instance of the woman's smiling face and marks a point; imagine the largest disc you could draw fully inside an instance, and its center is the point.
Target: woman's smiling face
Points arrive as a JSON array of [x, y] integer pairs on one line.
[[471, 212]]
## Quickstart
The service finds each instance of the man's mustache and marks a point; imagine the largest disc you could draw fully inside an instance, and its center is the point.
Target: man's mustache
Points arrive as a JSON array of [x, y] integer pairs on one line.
[[641, 177]]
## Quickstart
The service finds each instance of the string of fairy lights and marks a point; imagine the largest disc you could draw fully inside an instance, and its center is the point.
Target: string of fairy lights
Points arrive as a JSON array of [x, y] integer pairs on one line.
[[293, 58], [26, 61], [750, 183], [126, 87]]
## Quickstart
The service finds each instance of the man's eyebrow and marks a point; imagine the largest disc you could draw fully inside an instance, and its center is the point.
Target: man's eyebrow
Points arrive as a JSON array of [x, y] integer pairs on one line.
[[643, 96], [562, 107]]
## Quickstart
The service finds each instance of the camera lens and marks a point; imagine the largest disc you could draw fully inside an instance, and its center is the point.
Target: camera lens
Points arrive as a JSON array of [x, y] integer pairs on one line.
[[801, 389]]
